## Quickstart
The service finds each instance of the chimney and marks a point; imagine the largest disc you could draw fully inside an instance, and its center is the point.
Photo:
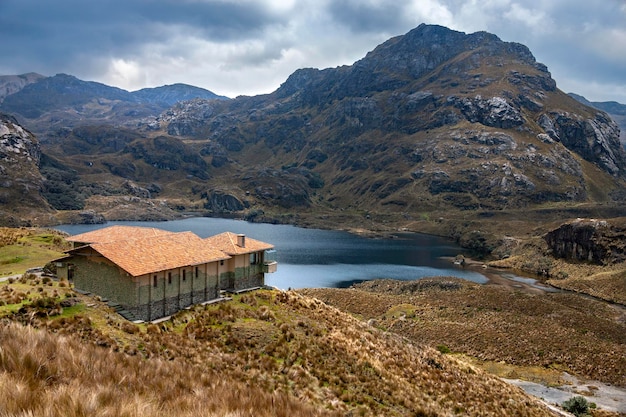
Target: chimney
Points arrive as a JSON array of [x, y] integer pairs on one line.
[[241, 241]]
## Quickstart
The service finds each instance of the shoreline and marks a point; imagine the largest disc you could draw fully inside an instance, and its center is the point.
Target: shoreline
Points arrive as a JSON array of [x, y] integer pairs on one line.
[[495, 277]]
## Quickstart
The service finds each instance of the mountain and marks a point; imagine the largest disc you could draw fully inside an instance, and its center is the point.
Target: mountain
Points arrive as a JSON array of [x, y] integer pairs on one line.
[[434, 121], [172, 94], [10, 84], [616, 110], [63, 100], [428, 120]]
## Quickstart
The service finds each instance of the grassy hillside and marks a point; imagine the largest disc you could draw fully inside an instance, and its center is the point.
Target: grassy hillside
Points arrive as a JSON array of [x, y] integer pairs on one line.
[[552, 331], [266, 353], [21, 249]]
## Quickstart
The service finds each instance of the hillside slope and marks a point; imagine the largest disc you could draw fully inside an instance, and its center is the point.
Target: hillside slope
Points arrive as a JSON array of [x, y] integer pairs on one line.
[[264, 353], [428, 120], [45, 104]]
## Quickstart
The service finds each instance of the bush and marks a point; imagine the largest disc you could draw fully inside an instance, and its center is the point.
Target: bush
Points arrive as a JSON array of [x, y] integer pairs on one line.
[[577, 405], [443, 349]]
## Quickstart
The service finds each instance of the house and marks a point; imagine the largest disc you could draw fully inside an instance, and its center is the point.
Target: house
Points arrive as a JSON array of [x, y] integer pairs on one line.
[[153, 273], [249, 260]]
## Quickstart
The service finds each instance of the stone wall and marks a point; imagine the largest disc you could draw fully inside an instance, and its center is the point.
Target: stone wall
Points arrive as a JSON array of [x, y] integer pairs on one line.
[[139, 295], [174, 291], [99, 276]]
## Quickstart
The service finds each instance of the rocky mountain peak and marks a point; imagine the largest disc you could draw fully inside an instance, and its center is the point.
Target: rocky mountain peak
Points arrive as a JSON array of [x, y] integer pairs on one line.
[[460, 119]]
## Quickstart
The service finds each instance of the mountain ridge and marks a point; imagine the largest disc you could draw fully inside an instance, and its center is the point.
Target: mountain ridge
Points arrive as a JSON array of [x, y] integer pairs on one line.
[[424, 94], [431, 120], [64, 100]]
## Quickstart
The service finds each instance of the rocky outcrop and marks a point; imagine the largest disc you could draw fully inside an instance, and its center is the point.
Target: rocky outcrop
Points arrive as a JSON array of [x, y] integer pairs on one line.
[[135, 190], [495, 112], [596, 241], [21, 182], [596, 139], [220, 201], [81, 217], [285, 188]]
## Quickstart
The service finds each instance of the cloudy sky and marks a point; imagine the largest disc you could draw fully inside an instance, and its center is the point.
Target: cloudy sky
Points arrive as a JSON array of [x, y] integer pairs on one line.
[[249, 47]]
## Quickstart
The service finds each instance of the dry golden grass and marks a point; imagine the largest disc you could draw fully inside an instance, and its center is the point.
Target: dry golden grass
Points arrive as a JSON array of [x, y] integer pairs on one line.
[[264, 353], [566, 331], [49, 375]]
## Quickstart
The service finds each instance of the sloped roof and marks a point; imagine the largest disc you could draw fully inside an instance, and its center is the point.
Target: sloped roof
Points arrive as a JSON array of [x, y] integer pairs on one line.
[[117, 233], [158, 253], [227, 242]]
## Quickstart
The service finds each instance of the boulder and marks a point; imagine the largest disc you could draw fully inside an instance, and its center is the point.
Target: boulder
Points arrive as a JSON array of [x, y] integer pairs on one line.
[[590, 240], [220, 201]]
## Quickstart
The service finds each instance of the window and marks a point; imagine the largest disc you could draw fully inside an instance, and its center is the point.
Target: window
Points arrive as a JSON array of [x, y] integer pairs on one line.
[[154, 281], [169, 278], [197, 271], [221, 262], [184, 275], [254, 258]]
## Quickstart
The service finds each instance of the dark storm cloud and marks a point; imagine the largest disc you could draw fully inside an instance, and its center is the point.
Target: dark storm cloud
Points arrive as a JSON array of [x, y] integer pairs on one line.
[[362, 16], [40, 33], [251, 46]]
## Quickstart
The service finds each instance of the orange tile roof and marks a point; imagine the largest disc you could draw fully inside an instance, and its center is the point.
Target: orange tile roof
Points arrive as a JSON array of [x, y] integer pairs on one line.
[[227, 242], [117, 233], [159, 253]]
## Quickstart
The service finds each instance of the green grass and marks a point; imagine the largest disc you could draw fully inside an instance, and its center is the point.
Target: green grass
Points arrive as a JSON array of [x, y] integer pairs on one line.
[[33, 249], [71, 311], [16, 259]]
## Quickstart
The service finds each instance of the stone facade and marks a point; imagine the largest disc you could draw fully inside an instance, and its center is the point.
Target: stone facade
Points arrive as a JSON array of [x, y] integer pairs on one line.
[[148, 297], [156, 273], [161, 294]]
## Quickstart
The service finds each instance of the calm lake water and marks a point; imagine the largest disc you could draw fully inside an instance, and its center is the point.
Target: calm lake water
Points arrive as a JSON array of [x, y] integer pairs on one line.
[[325, 258]]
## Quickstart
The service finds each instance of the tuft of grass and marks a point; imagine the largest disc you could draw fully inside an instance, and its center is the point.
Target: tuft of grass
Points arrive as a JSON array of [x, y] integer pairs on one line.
[[309, 359]]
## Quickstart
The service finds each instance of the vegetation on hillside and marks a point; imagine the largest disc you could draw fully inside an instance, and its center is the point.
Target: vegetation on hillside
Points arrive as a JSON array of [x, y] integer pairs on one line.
[[266, 353], [558, 331], [24, 248]]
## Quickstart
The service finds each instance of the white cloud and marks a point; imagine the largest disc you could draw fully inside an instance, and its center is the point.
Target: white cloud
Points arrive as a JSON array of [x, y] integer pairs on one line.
[[534, 19], [430, 11], [594, 90], [124, 74], [609, 43]]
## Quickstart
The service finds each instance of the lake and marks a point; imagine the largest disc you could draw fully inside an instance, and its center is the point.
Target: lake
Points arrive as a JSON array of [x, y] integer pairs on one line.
[[328, 258]]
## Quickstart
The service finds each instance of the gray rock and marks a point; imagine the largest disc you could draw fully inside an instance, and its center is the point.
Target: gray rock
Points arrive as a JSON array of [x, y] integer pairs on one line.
[[588, 240], [596, 139], [220, 201], [495, 112]]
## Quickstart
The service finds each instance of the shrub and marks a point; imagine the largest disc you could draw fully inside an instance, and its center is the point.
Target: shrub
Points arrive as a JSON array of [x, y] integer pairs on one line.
[[577, 405], [443, 349]]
